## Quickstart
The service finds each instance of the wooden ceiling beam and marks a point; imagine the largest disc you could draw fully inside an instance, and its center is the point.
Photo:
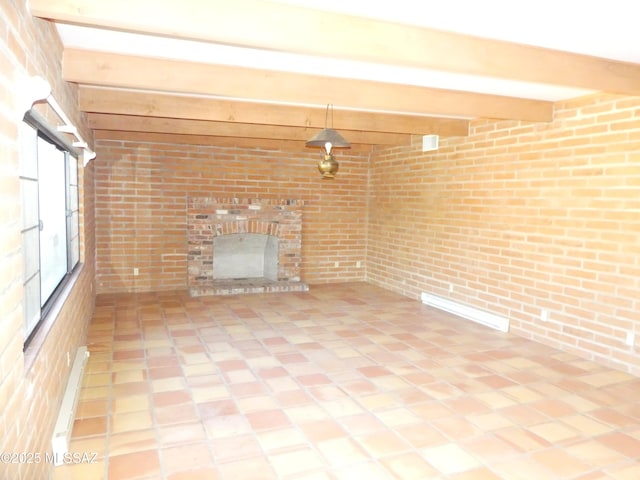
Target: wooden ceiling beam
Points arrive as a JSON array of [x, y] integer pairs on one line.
[[130, 102], [136, 72], [272, 26], [99, 121], [231, 142]]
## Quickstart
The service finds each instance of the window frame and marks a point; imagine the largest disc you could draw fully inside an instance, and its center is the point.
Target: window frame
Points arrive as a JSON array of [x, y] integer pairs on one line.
[[49, 307]]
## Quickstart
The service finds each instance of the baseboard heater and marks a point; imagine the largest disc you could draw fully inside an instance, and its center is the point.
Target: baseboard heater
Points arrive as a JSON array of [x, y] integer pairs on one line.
[[67, 414], [464, 311]]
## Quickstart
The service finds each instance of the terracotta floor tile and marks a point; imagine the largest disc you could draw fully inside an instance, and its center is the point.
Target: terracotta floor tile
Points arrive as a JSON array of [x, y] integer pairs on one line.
[[374, 371], [92, 408], [586, 425], [522, 439], [81, 471], [431, 410], [379, 401], [625, 472], [496, 400], [239, 376], [281, 384], [409, 466], [343, 407], [125, 422], [170, 398], [313, 379], [248, 469], [489, 448], [560, 463], [134, 465], [295, 462], [398, 416], [476, 474], [132, 442], [553, 408], [289, 398], [321, 430], [282, 439], [521, 469], [176, 414], [622, 443], [421, 435], [595, 453], [287, 358], [181, 433], [611, 417], [368, 470], [85, 427], [554, 432], [186, 457], [268, 420], [248, 389], [130, 403], [383, 443], [307, 413], [522, 394], [456, 428], [197, 473], [361, 423], [227, 426], [133, 367], [523, 415], [341, 451], [257, 403], [234, 448], [339, 383], [97, 379], [217, 408], [165, 372], [94, 446], [449, 459]]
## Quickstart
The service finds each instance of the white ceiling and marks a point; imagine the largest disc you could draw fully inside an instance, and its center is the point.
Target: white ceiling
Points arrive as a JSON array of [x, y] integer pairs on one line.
[[607, 29], [163, 47], [464, 74], [602, 29]]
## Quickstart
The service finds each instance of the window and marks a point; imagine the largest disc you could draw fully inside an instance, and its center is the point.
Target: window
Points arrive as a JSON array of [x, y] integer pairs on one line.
[[50, 219]]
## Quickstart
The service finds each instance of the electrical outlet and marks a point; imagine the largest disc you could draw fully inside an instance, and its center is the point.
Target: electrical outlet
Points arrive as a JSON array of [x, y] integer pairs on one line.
[[450, 287], [358, 264], [337, 264], [68, 359], [630, 341], [544, 315], [136, 272]]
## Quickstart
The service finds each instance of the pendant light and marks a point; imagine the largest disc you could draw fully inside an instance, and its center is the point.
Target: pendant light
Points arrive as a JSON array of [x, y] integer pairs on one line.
[[327, 139]]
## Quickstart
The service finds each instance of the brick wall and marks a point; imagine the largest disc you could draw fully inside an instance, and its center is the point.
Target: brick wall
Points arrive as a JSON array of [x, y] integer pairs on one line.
[[518, 218], [31, 391], [141, 208]]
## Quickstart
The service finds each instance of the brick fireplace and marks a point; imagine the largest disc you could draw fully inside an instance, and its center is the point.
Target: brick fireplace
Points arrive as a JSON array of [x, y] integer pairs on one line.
[[236, 228]]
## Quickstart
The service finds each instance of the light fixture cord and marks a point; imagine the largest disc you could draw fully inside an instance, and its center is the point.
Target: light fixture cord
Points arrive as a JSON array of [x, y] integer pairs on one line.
[[326, 116]]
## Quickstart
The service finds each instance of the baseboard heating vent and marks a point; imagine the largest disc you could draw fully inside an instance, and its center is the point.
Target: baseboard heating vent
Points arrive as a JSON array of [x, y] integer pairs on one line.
[[66, 416], [464, 311]]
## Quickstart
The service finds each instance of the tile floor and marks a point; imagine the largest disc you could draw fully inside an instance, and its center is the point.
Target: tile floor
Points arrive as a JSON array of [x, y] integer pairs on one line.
[[342, 382]]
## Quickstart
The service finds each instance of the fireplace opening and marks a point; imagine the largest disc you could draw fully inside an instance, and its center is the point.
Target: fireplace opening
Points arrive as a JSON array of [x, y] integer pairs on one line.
[[243, 256]]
